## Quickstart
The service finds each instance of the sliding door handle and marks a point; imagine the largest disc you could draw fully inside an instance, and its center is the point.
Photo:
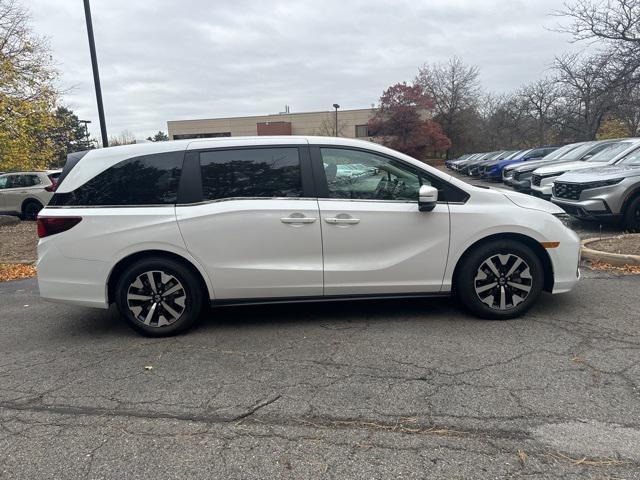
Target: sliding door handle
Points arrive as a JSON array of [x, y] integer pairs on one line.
[[342, 221], [297, 220]]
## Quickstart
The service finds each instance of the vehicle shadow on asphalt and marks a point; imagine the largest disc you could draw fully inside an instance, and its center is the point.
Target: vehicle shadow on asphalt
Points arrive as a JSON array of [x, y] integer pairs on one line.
[[336, 315]]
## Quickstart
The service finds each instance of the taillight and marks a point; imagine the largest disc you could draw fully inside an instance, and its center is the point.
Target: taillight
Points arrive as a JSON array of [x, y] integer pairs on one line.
[[52, 188], [52, 225]]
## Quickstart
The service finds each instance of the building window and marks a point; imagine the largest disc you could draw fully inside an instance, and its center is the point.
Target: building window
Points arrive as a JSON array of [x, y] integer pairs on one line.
[[187, 136], [362, 131]]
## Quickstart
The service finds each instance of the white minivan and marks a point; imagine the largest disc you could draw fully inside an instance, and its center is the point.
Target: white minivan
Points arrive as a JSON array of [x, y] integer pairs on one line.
[[163, 229]]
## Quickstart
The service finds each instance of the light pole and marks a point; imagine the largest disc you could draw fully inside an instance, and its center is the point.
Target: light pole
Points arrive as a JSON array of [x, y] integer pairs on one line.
[[96, 75], [336, 106]]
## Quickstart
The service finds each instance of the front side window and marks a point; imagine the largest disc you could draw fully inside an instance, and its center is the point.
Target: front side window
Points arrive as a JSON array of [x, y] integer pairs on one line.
[[355, 174], [251, 172], [146, 180], [4, 182]]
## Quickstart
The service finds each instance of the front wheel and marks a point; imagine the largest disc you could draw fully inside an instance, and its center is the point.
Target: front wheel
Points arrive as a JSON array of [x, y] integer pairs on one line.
[[500, 280], [159, 297], [632, 216]]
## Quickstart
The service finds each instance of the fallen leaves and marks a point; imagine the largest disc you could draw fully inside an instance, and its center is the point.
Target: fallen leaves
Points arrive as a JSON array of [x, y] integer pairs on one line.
[[522, 457], [16, 271], [624, 269]]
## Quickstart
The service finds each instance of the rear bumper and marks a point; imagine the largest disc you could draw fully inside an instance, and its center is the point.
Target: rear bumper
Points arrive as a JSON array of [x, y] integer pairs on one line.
[[70, 280]]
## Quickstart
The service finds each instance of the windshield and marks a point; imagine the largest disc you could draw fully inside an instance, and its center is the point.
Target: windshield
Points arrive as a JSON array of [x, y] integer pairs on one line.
[[610, 152], [578, 153], [521, 154], [631, 160], [556, 154]]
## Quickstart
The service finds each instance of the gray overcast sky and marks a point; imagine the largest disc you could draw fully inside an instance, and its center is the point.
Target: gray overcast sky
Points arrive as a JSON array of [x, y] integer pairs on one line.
[[167, 60]]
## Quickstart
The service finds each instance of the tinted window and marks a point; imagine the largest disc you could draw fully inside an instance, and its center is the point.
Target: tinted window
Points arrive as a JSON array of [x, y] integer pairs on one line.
[[251, 172], [146, 180], [3, 182]]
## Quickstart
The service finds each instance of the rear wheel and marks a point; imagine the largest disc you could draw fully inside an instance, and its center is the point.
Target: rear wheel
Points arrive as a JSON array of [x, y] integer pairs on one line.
[[159, 297], [632, 215], [30, 209], [500, 280]]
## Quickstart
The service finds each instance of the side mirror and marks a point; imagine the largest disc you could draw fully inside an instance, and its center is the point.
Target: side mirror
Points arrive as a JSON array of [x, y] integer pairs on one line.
[[427, 198]]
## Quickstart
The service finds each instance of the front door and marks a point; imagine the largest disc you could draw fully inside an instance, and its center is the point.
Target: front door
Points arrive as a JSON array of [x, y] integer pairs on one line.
[[255, 231], [375, 239]]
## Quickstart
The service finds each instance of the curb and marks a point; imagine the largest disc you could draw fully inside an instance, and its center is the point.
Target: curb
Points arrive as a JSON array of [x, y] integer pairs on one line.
[[618, 259]]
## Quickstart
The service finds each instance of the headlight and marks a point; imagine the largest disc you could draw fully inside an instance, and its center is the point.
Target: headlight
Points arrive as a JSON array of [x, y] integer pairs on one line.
[[601, 183]]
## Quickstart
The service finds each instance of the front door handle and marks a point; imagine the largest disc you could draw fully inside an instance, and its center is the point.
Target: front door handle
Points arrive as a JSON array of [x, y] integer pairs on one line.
[[342, 221], [297, 219]]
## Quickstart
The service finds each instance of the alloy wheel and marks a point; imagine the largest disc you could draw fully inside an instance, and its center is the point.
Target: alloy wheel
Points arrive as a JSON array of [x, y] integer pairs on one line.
[[503, 281], [156, 298]]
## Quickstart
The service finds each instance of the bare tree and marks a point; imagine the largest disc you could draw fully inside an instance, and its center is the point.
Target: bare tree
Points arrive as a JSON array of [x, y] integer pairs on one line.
[[629, 110], [327, 127], [616, 21], [541, 99], [590, 88], [123, 138], [454, 89]]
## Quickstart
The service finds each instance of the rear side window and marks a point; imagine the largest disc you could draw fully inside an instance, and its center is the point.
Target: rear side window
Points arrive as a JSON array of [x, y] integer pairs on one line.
[[146, 180], [251, 172]]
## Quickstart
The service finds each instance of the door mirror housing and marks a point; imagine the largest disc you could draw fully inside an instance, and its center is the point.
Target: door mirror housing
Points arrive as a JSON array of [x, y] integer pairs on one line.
[[427, 198]]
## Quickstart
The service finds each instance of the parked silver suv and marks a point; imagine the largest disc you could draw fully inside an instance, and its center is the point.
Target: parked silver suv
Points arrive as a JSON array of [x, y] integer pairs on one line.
[[606, 193]]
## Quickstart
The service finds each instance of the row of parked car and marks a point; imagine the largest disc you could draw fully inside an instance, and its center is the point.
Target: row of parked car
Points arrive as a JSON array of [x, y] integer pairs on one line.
[[597, 180]]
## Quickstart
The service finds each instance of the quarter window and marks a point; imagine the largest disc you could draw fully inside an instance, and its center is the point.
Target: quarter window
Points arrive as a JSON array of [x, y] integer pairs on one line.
[[145, 180], [251, 172]]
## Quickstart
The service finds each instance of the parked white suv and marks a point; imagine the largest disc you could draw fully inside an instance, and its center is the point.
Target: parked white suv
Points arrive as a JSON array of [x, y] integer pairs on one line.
[[25, 193], [162, 229]]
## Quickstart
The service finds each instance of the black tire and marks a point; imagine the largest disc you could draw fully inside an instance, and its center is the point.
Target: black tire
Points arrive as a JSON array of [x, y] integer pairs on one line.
[[632, 215], [30, 209], [186, 301], [475, 265]]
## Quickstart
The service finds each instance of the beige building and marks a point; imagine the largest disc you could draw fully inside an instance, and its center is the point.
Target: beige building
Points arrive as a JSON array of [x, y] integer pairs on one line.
[[351, 124]]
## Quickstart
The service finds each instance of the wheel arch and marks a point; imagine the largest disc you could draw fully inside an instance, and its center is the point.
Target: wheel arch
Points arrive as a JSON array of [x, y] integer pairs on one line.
[[629, 197], [126, 261], [532, 243]]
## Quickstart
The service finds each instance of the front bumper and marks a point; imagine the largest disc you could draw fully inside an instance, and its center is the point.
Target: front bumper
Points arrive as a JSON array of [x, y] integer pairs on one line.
[[591, 209], [492, 176], [565, 260], [521, 185]]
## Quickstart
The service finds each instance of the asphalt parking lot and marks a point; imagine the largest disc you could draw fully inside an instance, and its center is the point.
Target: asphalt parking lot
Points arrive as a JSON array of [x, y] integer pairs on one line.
[[386, 389]]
